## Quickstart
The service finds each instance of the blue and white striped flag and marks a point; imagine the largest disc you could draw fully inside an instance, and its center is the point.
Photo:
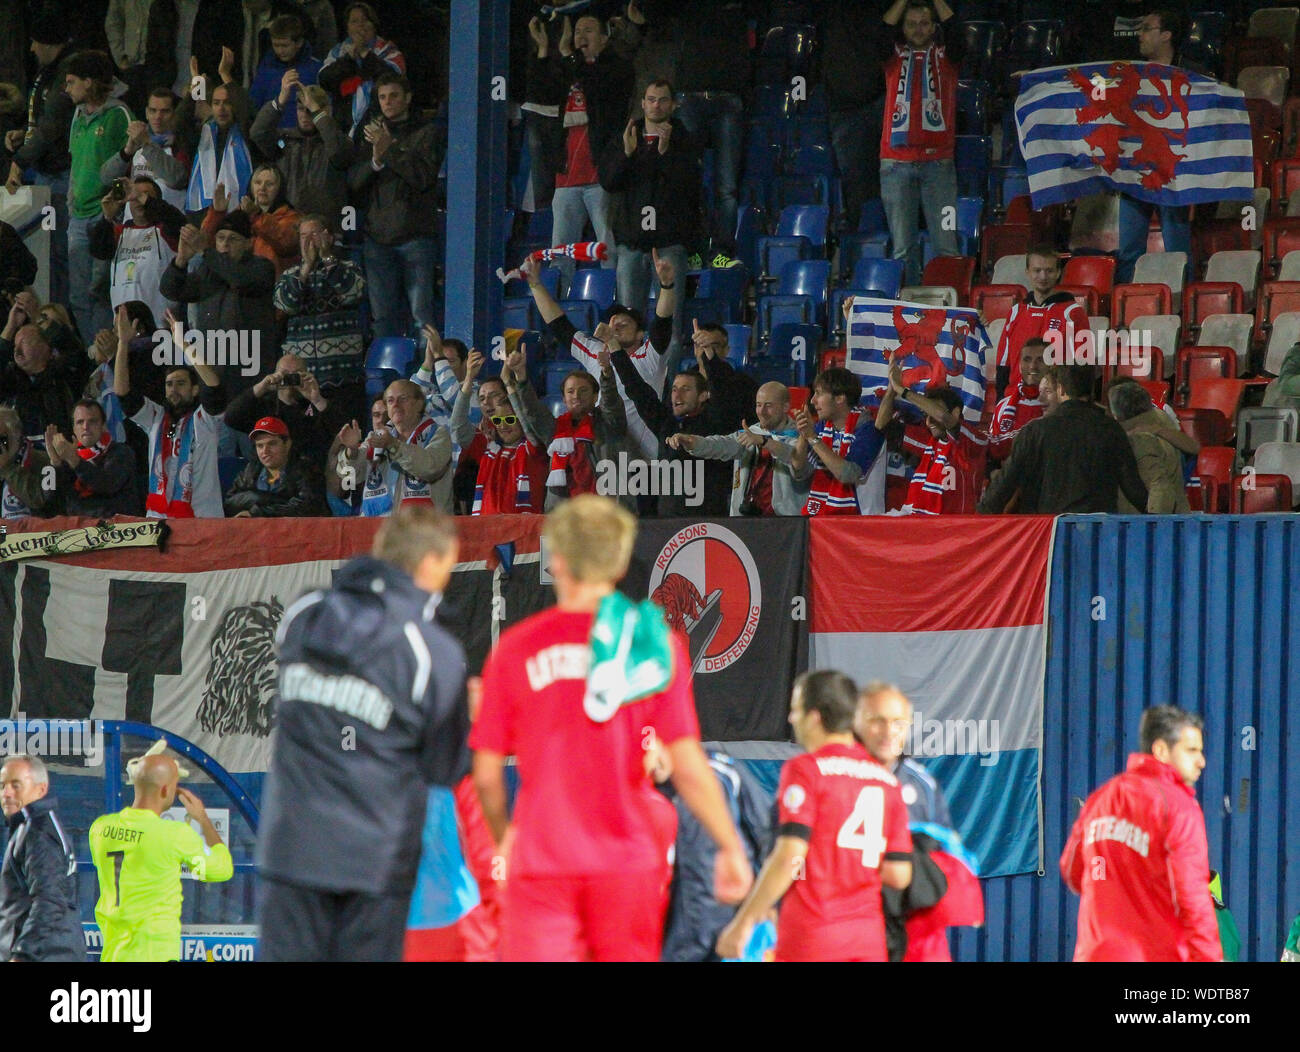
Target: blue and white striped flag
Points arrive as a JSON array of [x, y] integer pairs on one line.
[[1157, 133], [936, 342]]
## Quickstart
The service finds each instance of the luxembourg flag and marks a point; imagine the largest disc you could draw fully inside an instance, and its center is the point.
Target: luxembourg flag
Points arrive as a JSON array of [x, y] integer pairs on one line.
[[957, 620], [1157, 133], [940, 346]]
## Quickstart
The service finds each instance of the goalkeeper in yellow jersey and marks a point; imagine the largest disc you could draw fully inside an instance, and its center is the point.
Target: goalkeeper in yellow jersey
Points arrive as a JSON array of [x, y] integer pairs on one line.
[[138, 859]]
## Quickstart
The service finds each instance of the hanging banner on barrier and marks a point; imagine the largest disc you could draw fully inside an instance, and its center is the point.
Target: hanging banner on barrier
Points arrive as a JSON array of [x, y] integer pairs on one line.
[[185, 639], [953, 611], [735, 587]]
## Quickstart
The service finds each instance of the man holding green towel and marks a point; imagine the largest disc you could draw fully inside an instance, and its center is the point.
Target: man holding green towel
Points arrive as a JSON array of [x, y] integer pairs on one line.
[[581, 694]]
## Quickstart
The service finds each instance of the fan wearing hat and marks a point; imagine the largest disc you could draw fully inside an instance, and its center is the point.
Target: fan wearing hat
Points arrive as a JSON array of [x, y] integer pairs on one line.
[[231, 289], [278, 483]]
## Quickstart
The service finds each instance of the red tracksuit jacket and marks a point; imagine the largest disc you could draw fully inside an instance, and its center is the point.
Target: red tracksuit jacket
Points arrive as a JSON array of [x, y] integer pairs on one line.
[[1033, 321], [1138, 857]]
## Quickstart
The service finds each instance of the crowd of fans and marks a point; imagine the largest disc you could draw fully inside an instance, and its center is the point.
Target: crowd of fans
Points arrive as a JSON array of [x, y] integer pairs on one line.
[[235, 188]]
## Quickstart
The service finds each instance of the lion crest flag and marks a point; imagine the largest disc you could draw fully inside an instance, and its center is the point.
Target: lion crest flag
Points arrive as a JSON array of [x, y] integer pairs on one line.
[[1157, 133]]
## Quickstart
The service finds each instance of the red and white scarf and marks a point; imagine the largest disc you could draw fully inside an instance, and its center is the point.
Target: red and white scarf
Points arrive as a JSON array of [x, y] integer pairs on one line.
[[917, 118], [501, 470], [171, 476], [91, 454], [567, 436], [827, 495]]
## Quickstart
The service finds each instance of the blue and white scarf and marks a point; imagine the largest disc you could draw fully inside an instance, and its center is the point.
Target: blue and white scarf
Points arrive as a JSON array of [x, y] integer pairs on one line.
[[235, 171]]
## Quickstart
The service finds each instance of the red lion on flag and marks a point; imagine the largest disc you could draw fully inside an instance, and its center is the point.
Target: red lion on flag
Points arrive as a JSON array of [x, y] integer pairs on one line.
[[1155, 155], [921, 338]]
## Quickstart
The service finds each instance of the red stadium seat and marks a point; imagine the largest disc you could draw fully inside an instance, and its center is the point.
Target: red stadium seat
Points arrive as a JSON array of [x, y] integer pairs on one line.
[[1254, 493], [1207, 426], [1158, 390], [955, 271], [1217, 235], [1224, 395], [1003, 239], [1134, 300], [1097, 272], [1086, 296], [1203, 298], [832, 358], [1284, 182], [1214, 467], [798, 398], [1280, 237], [1155, 369], [1275, 298], [1201, 363], [996, 301], [1290, 147]]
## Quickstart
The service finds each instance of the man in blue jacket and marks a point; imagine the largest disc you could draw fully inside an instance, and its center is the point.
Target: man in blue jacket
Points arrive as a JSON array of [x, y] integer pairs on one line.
[[371, 710], [38, 886]]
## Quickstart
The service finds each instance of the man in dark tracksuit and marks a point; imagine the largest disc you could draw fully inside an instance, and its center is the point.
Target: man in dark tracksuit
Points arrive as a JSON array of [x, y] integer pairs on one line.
[[38, 887], [371, 710]]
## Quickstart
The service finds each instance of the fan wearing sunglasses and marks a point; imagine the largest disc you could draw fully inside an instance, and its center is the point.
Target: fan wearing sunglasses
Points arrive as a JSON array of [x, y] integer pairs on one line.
[[511, 469]]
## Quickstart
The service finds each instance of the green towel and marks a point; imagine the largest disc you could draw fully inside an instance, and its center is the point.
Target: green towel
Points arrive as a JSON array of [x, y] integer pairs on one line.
[[631, 655], [1291, 952]]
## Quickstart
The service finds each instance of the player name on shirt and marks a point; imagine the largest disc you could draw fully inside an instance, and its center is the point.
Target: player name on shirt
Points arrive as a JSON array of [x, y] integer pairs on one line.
[[1108, 827], [346, 694], [846, 765], [562, 661], [128, 836]]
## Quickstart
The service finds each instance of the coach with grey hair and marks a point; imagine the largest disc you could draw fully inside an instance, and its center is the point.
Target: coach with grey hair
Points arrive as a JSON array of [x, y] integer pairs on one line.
[[39, 920]]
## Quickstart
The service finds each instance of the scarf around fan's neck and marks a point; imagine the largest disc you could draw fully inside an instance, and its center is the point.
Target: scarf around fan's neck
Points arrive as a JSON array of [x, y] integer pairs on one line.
[[91, 454], [171, 480], [567, 436], [234, 169], [917, 118], [631, 655]]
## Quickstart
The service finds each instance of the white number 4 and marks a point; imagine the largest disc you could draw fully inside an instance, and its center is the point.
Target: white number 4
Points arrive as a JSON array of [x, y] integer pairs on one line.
[[868, 816]]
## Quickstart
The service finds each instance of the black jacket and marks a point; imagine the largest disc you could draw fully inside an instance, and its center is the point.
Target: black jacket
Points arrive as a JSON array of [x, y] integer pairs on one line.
[[39, 920], [44, 399], [362, 663], [16, 260], [606, 84], [310, 431], [723, 413], [303, 492], [218, 22], [669, 183], [46, 149], [1072, 461], [401, 199], [112, 482]]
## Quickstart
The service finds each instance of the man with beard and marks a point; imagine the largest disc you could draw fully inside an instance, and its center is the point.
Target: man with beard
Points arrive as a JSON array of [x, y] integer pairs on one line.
[[184, 482]]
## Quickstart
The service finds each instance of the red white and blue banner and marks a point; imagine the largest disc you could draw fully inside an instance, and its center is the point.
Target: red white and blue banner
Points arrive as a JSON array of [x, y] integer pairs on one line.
[[939, 347], [1157, 133], [953, 611]]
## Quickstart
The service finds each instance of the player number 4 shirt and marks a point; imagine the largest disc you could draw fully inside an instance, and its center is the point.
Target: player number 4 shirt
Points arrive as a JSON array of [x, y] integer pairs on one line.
[[851, 812]]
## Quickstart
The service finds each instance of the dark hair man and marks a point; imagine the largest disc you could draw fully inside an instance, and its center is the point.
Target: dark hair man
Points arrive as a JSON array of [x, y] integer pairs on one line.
[[1138, 856], [841, 834], [96, 475], [361, 733]]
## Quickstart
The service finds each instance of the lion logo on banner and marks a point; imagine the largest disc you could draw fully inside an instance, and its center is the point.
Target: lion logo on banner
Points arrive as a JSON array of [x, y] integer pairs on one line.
[[1155, 156], [239, 691], [920, 339]]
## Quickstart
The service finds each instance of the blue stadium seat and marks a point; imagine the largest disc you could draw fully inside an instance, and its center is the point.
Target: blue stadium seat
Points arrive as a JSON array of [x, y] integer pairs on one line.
[[585, 314], [549, 277], [1032, 45], [797, 347], [972, 107], [981, 44], [773, 102], [727, 285], [807, 130], [773, 310], [749, 228], [554, 374], [835, 315], [972, 163], [811, 278], [800, 230], [1005, 185], [737, 344], [970, 215], [228, 469], [795, 190], [873, 219], [395, 353], [787, 51], [854, 247], [1203, 46], [811, 160], [706, 309], [883, 274], [540, 225], [517, 312], [595, 283], [764, 370]]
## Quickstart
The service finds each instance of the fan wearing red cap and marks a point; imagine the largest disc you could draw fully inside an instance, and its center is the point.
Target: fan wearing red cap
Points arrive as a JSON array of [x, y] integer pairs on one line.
[[278, 484]]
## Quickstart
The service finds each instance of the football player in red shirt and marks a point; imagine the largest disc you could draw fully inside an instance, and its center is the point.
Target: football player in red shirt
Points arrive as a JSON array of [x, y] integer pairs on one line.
[[1138, 856], [842, 832], [587, 867]]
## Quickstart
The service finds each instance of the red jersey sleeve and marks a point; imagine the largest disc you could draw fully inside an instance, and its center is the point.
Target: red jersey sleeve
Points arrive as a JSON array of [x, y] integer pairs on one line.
[[1003, 358], [673, 716], [796, 800], [898, 837], [1189, 872], [1072, 857], [493, 731]]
